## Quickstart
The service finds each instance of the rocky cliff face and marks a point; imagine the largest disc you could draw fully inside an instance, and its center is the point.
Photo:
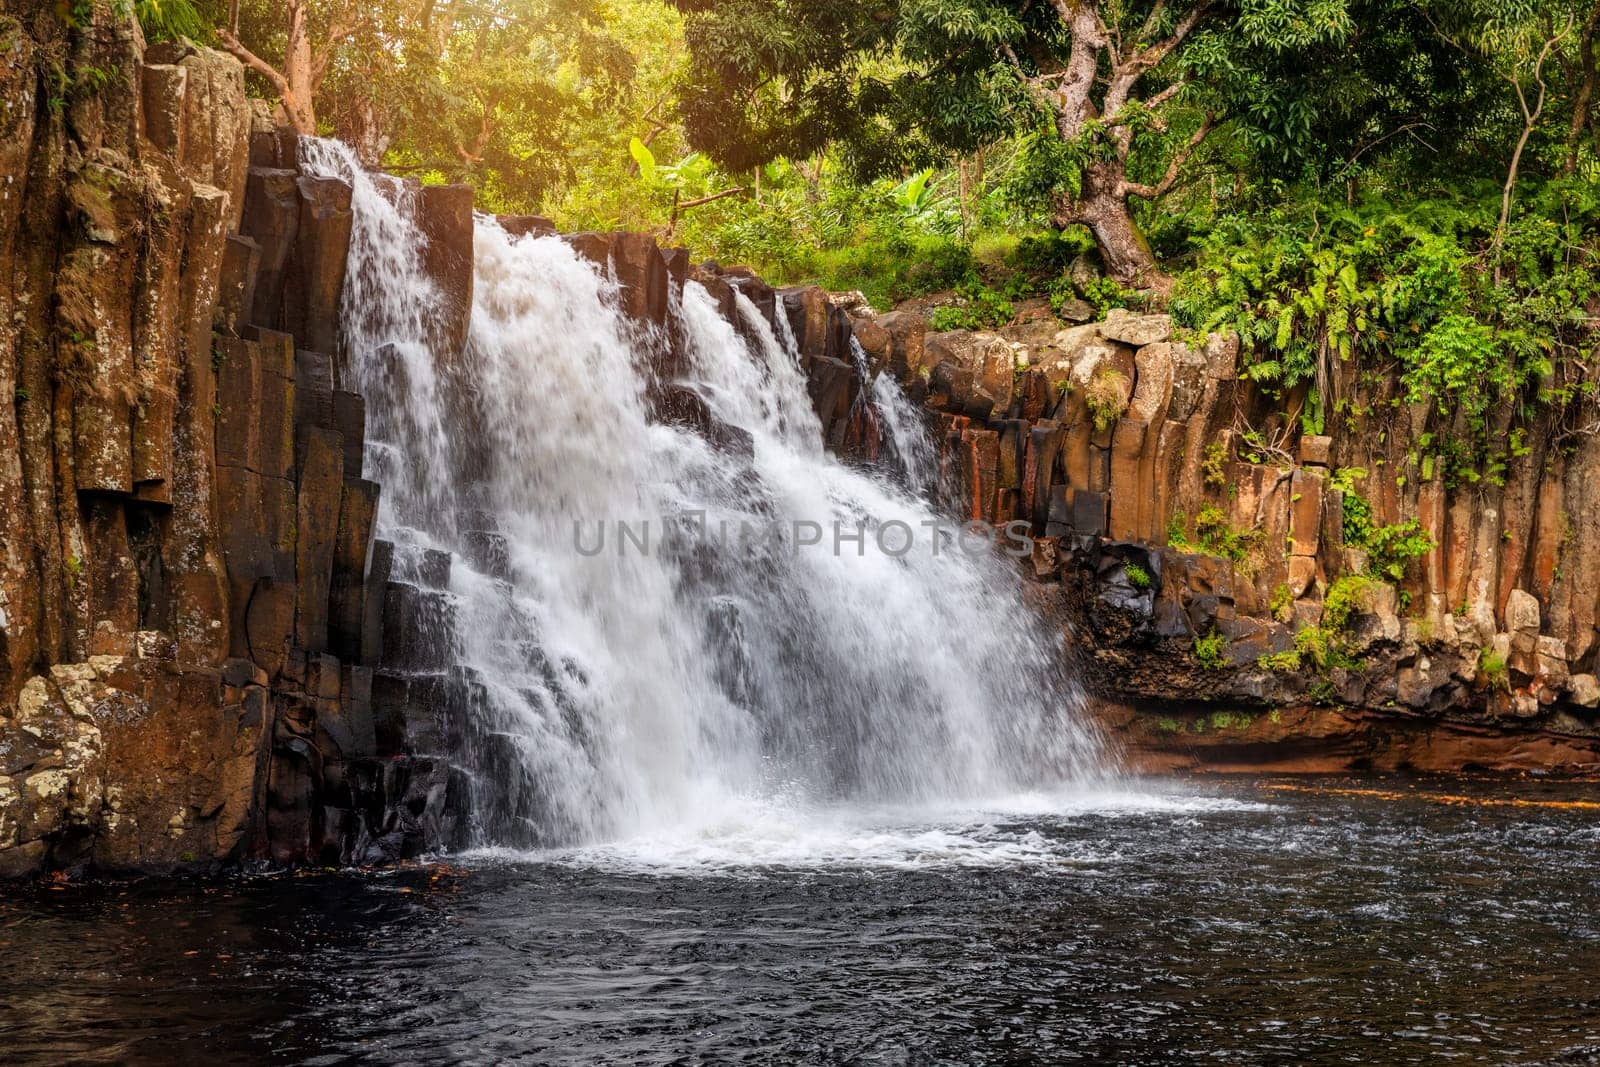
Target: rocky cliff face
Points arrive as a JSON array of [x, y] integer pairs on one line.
[[190, 617], [1127, 447]]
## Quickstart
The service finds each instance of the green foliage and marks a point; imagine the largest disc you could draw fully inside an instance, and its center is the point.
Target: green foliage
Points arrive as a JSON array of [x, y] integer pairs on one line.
[[1343, 210], [1213, 466], [1178, 533], [643, 158], [170, 20], [1106, 397], [1307, 285], [1214, 534], [1212, 651], [982, 308], [1328, 646], [1280, 662], [1103, 294], [1357, 512], [1138, 577], [1391, 549], [1282, 603], [1343, 598], [1492, 666]]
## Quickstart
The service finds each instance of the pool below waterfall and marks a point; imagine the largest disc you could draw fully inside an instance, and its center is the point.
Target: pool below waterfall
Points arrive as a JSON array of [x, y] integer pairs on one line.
[[1271, 921]]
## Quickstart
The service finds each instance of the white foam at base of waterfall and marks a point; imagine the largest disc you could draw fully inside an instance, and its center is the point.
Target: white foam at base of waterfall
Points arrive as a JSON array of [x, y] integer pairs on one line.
[[768, 834]]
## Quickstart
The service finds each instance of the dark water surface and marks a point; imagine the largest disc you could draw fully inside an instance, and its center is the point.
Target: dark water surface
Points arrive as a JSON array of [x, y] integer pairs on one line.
[[1368, 922]]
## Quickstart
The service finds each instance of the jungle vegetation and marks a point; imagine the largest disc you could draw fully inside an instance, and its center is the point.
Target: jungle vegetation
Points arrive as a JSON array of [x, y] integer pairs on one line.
[[1414, 184]]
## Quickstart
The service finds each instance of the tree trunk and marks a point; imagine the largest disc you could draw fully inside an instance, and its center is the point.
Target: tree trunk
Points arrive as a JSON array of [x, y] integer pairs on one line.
[[1584, 100], [296, 102], [1105, 210]]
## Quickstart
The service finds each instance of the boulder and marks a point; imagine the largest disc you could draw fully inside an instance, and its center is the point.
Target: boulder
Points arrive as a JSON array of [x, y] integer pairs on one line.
[[1376, 618], [1074, 310], [1136, 330], [526, 225], [1302, 574], [907, 332], [1315, 449], [1155, 369], [1222, 356], [642, 274], [1551, 660], [1057, 359], [876, 342], [1188, 380], [1584, 690], [1522, 614], [444, 214]]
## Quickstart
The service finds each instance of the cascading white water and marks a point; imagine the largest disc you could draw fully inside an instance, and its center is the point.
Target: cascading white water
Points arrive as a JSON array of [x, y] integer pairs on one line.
[[620, 691]]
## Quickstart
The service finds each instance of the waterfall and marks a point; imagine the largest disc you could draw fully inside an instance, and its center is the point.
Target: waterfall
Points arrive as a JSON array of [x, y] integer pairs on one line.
[[631, 618]]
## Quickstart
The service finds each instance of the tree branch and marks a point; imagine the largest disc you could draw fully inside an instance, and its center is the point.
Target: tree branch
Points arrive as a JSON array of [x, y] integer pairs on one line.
[[1127, 72], [1153, 20], [1530, 120], [1073, 106], [685, 205], [345, 23], [233, 46], [1167, 94], [1174, 165]]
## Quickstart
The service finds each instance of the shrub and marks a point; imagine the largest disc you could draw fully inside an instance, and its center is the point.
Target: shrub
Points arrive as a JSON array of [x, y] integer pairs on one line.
[[981, 308], [1390, 549], [1492, 665], [1213, 466], [1178, 532], [1327, 646], [1217, 536], [1211, 651], [1280, 662], [1106, 397], [1282, 603], [1344, 596]]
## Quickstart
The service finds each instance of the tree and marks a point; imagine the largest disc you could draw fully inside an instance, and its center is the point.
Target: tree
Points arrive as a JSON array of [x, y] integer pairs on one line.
[[313, 32], [514, 85], [489, 91], [1117, 96]]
